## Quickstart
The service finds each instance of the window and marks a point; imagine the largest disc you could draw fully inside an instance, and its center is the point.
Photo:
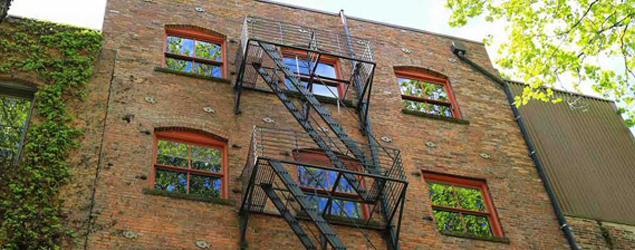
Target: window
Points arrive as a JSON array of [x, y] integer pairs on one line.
[[427, 94], [326, 69], [462, 206], [15, 111], [195, 52], [318, 184], [190, 163]]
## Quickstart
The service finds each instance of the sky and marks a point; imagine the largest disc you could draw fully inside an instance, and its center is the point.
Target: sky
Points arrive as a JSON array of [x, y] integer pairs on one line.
[[430, 15]]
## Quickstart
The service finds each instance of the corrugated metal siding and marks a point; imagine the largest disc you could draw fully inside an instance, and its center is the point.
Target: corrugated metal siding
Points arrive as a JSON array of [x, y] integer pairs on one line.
[[588, 155]]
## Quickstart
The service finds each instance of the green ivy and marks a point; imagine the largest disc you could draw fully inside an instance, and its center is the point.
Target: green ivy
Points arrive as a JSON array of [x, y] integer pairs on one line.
[[62, 57]]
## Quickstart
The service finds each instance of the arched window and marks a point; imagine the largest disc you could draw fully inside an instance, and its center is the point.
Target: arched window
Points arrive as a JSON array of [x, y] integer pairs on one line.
[[15, 111], [195, 51], [190, 163], [426, 93]]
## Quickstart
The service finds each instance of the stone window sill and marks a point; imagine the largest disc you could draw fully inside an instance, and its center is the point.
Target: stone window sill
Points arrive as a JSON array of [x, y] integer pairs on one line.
[[193, 197], [436, 117], [476, 237], [188, 74]]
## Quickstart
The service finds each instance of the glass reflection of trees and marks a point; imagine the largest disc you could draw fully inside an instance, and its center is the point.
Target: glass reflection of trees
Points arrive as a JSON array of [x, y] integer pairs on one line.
[[321, 182], [189, 55], [14, 113], [188, 168], [459, 209], [425, 97]]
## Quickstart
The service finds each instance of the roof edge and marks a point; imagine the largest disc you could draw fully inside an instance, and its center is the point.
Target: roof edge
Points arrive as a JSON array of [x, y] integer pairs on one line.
[[370, 21], [565, 92]]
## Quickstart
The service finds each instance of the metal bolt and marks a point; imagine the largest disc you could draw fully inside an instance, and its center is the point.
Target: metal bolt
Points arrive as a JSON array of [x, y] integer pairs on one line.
[[407, 51]]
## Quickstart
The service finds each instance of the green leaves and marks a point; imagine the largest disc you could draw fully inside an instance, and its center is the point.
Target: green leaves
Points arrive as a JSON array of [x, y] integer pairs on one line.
[[62, 57], [563, 42]]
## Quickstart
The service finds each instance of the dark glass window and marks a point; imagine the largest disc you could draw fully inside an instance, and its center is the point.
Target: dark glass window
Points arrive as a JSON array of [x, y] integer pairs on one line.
[[188, 167], [194, 52], [426, 94], [302, 67], [461, 206], [14, 115]]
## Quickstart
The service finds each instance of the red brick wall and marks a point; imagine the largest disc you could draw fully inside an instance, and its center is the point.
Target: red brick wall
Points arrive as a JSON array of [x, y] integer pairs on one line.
[[134, 29], [591, 234]]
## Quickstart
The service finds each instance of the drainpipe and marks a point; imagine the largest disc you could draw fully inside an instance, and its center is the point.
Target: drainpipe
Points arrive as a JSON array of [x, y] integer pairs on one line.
[[459, 50]]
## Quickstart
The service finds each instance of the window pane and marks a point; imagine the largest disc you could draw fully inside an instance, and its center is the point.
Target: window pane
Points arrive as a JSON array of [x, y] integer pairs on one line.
[[441, 194], [477, 225], [178, 64], [172, 154], [13, 118], [470, 199], [297, 66], [208, 70], [323, 90], [205, 185], [344, 186], [317, 202], [207, 159], [440, 110], [448, 221], [410, 87], [310, 177], [178, 45], [210, 51], [435, 91], [172, 181], [416, 106], [326, 70], [346, 209]]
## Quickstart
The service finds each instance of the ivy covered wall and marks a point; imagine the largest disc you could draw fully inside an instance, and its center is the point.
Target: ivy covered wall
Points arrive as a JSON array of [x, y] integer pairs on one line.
[[45, 200]]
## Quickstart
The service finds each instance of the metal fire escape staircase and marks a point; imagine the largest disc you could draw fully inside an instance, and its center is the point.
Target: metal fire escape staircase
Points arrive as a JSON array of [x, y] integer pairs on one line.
[[273, 152]]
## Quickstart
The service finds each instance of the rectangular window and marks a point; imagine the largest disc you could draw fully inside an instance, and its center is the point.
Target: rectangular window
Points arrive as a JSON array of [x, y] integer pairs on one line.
[[327, 85], [426, 94], [462, 206], [195, 53], [189, 167], [318, 184], [15, 110]]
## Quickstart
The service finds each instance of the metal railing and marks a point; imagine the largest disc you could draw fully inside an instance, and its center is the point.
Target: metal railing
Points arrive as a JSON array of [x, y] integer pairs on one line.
[[288, 146]]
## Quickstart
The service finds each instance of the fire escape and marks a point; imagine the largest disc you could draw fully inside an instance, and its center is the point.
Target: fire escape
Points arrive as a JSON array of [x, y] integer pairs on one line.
[[353, 174]]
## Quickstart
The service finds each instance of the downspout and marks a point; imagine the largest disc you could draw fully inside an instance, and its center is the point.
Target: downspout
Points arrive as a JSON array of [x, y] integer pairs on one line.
[[363, 107], [459, 50]]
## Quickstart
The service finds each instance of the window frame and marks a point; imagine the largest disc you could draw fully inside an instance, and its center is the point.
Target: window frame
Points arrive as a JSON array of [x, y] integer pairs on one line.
[[332, 61], [191, 138], [21, 91], [195, 36], [317, 157], [420, 76], [492, 216]]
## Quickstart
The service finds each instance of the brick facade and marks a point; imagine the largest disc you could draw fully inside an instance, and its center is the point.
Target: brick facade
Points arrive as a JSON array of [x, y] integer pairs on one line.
[[593, 234], [135, 30], [124, 216]]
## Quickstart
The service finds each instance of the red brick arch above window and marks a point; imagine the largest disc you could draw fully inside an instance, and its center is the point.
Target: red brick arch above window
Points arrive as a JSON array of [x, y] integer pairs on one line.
[[195, 50]]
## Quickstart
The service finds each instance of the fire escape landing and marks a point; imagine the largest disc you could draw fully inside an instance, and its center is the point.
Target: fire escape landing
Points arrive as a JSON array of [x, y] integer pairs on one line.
[[351, 175]]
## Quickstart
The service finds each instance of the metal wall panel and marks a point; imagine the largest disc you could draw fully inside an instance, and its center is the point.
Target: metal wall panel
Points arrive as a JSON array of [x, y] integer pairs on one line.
[[588, 154]]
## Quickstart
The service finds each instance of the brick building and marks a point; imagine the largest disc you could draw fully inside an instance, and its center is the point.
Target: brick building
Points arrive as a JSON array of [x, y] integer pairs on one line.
[[220, 124]]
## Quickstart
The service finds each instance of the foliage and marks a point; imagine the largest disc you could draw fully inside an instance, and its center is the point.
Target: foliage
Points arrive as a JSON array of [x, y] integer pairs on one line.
[[62, 57], [446, 199], [550, 40]]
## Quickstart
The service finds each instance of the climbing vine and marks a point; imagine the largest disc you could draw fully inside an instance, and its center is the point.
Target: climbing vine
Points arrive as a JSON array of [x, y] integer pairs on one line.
[[62, 58]]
